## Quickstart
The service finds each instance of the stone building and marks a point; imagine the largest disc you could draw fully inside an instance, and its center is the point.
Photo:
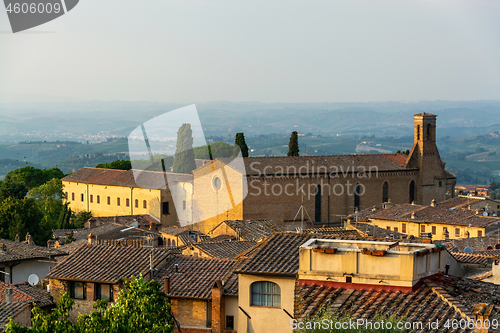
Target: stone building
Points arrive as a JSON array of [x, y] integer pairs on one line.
[[321, 189]]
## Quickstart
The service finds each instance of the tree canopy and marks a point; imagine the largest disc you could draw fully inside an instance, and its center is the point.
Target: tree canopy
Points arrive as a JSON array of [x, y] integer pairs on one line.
[[118, 164], [33, 177], [240, 145], [141, 307], [184, 154], [293, 145]]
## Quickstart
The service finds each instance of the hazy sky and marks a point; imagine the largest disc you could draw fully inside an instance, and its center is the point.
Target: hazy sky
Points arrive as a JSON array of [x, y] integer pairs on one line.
[[269, 51]]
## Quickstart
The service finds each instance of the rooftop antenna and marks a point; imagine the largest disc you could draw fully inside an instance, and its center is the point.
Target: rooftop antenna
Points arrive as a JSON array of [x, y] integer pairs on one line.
[[301, 210]]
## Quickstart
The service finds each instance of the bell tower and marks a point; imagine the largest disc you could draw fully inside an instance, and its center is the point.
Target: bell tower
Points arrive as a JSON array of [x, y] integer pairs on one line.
[[433, 181]]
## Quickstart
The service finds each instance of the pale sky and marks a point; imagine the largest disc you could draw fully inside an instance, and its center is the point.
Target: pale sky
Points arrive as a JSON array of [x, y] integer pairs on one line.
[[268, 51]]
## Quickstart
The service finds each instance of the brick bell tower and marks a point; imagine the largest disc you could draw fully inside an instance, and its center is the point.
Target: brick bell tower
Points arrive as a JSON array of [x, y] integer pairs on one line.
[[433, 181]]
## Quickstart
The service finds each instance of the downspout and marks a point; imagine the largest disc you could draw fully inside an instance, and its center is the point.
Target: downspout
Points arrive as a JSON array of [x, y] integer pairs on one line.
[[88, 201], [131, 200]]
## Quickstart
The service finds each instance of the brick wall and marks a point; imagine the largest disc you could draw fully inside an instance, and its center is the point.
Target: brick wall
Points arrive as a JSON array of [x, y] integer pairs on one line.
[[190, 313]]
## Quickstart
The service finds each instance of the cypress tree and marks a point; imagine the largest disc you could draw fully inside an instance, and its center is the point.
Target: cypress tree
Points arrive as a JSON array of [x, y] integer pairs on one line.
[[184, 154], [240, 144], [293, 145]]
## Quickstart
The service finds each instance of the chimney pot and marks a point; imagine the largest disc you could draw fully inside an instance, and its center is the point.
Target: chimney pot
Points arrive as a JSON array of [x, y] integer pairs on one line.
[[433, 203], [166, 283], [8, 295]]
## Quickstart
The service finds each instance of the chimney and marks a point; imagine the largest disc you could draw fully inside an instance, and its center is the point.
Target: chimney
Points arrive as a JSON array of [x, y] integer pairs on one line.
[[8, 295], [17, 238], [433, 203], [166, 283], [218, 308], [413, 215], [482, 313], [91, 239]]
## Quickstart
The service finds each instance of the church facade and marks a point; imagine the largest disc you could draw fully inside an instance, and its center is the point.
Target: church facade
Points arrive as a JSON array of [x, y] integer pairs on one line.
[[322, 189]]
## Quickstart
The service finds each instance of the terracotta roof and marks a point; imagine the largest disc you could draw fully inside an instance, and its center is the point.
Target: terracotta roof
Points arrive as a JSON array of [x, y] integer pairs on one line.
[[106, 231], [291, 165], [333, 231], [252, 229], [440, 213], [460, 201], [107, 264], [113, 177], [471, 258], [21, 251], [8, 310], [18, 296], [173, 230], [454, 298], [372, 230], [143, 220], [476, 243], [221, 238], [277, 255], [480, 276], [40, 296], [193, 277], [224, 249], [72, 247]]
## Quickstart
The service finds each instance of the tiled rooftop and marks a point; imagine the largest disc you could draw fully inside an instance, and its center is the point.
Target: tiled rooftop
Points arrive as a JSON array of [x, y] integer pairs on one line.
[[40, 296], [476, 243], [372, 230], [454, 298], [192, 277], [21, 251], [439, 213], [9, 310], [113, 177], [224, 249], [282, 165], [253, 229], [107, 264], [333, 231], [471, 258], [106, 231], [143, 220]]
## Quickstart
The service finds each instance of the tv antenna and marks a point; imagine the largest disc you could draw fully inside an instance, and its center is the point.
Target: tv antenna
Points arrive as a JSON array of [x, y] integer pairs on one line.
[[302, 210]]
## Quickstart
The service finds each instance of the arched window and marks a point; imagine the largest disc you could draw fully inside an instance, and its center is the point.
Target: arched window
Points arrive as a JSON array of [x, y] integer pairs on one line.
[[127, 202], [418, 132], [173, 242], [136, 203], [168, 242], [265, 293], [109, 200], [144, 204], [357, 199], [429, 132], [317, 208], [411, 191], [118, 201], [385, 192], [98, 199]]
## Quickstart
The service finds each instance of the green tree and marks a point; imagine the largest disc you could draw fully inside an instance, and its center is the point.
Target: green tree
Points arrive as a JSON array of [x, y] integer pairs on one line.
[[141, 307], [49, 198], [33, 177], [240, 145], [64, 221], [184, 154], [216, 149], [78, 220], [14, 189], [118, 164], [20, 216], [293, 145]]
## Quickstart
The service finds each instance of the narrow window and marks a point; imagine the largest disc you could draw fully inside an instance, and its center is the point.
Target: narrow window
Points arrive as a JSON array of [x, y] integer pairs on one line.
[[457, 232], [411, 192], [98, 199], [479, 233], [136, 203], [229, 322], [118, 201], [348, 279], [429, 137], [81, 196], [265, 293], [385, 192], [144, 204], [73, 196], [173, 242], [317, 207], [422, 228], [77, 290], [184, 205], [109, 200], [433, 230], [396, 229], [388, 228], [67, 196], [440, 183], [168, 242], [165, 208], [357, 190], [91, 198], [403, 228], [3, 277], [127, 202], [418, 132]]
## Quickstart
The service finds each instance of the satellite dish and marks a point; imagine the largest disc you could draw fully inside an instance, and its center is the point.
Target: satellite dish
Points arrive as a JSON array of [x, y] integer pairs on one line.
[[468, 249], [33, 279], [485, 214]]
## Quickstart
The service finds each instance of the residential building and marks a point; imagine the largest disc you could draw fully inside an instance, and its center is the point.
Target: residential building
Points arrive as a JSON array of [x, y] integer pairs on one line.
[[175, 236], [438, 220], [20, 260], [95, 272]]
